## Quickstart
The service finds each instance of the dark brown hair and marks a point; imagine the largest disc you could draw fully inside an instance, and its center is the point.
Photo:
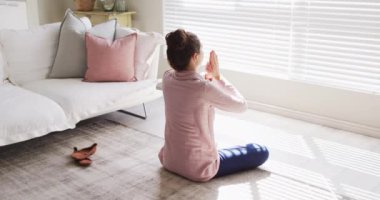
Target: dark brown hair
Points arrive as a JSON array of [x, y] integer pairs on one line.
[[181, 46]]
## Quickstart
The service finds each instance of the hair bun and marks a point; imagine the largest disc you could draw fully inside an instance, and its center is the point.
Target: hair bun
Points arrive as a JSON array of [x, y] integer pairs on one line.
[[177, 40], [182, 45]]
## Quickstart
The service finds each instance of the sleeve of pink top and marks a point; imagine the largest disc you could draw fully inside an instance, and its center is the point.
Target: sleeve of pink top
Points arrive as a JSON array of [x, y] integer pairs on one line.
[[223, 95]]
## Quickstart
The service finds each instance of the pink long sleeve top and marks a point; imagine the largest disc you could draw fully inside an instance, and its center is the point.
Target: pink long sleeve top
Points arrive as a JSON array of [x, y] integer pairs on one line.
[[189, 148]]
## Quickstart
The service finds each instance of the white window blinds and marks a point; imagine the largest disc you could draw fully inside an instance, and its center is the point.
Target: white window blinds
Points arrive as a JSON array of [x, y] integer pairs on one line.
[[334, 43]]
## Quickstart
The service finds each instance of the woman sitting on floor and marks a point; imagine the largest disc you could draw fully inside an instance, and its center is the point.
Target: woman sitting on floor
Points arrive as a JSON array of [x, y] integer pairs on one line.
[[190, 99]]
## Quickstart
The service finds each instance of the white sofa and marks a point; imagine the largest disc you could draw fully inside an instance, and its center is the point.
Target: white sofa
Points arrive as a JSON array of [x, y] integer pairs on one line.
[[31, 105]]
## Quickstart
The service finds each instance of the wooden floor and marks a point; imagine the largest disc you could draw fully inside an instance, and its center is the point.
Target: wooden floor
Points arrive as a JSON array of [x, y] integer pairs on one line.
[[307, 161]]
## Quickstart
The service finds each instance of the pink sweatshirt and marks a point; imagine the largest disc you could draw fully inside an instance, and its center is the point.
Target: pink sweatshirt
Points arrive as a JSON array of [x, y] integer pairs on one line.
[[189, 148]]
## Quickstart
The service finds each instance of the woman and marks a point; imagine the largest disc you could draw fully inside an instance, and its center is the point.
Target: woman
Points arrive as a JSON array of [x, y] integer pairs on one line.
[[190, 99]]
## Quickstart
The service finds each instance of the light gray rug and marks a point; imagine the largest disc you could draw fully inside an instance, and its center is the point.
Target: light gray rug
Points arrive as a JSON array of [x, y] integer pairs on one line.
[[125, 166]]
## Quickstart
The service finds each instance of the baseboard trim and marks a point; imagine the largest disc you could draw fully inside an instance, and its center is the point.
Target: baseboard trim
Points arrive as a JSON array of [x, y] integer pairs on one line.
[[317, 119]]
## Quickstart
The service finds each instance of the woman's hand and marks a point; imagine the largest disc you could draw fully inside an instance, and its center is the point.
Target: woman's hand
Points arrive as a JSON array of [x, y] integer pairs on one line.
[[212, 67], [208, 75]]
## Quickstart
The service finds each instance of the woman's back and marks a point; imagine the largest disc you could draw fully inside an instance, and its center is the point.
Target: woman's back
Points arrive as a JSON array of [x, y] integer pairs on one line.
[[189, 141]]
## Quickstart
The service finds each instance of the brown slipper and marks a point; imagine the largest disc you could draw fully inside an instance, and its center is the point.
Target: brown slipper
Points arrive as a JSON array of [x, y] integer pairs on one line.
[[85, 162], [83, 153]]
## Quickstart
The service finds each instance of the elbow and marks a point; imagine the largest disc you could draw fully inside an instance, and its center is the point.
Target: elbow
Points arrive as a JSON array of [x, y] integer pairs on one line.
[[243, 106], [239, 107]]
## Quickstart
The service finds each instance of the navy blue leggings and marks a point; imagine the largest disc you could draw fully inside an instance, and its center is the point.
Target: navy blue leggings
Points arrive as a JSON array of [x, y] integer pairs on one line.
[[240, 158]]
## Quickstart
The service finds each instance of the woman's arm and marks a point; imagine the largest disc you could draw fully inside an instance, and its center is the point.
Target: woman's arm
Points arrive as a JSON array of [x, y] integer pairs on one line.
[[219, 91], [223, 95]]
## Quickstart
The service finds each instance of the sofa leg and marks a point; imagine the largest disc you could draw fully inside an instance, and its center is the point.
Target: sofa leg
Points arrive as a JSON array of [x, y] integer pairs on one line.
[[135, 115]]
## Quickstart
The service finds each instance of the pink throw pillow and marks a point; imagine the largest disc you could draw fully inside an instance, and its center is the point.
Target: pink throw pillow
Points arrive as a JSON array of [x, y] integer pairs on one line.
[[110, 61]]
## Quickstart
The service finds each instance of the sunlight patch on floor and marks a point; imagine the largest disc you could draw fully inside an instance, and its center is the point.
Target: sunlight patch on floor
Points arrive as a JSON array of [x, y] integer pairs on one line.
[[353, 158], [231, 131], [279, 187], [300, 174], [359, 194], [240, 191], [321, 174]]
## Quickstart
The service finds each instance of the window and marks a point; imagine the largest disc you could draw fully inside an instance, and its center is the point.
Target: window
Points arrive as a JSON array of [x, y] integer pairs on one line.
[[333, 43]]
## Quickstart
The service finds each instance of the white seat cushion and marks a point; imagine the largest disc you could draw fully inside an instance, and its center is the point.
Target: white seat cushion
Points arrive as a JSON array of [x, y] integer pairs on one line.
[[25, 115], [81, 100]]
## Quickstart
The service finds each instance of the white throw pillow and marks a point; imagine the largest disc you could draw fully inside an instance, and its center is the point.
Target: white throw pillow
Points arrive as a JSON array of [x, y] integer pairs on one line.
[[29, 53], [70, 60], [145, 45]]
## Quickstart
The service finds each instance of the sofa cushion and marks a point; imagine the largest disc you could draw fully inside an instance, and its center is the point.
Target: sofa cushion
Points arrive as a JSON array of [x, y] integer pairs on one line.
[[70, 60], [81, 100], [145, 46], [29, 53], [110, 61], [25, 115]]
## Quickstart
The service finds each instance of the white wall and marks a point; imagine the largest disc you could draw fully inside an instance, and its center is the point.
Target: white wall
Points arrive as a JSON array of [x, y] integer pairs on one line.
[[32, 9], [50, 11], [67, 4], [358, 112], [148, 16], [44, 11]]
